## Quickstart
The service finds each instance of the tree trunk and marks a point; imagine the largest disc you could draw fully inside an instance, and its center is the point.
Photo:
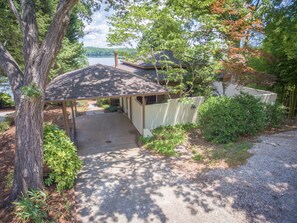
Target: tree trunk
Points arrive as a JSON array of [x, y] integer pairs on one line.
[[28, 167]]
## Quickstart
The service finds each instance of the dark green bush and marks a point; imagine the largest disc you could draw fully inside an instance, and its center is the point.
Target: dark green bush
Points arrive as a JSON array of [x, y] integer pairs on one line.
[[275, 115], [32, 207], [220, 119], [224, 119], [6, 100], [61, 157], [112, 108], [253, 111]]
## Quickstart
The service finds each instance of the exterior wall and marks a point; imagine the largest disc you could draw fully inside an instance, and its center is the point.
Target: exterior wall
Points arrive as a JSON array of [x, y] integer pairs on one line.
[[136, 115], [171, 113], [233, 90]]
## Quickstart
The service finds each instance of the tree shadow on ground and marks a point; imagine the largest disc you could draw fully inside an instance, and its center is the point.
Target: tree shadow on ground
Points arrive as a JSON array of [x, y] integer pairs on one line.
[[133, 185]]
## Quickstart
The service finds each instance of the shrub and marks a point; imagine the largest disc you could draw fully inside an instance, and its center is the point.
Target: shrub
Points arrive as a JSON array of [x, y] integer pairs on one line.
[[32, 207], [61, 157], [103, 102], [112, 108], [254, 114], [4, 125], [220, 119], [224, 119], [6, 100], [275, 115]]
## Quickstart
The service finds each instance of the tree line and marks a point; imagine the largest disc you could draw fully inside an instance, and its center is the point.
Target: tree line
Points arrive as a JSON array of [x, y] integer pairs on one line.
[[104, 52]]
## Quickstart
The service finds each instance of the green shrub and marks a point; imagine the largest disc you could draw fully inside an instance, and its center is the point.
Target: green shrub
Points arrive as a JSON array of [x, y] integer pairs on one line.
[[103, 102], [32, 207], [220, 119], [254, 114], [112, 108], [61, 157], [6, 100], [224, 119], [275, 115], [4, 125], [166, 138]]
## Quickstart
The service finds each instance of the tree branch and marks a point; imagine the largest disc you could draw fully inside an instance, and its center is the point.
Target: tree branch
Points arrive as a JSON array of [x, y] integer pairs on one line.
[[54, 37], [30, 37], [15, 11], [12, 70]]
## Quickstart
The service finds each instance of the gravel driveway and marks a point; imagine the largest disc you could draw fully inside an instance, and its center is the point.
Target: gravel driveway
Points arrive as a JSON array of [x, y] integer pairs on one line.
[[129, 184]]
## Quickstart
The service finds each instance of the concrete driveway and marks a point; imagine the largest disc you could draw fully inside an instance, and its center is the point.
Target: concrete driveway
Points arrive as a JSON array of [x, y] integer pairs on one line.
[[123, 183]]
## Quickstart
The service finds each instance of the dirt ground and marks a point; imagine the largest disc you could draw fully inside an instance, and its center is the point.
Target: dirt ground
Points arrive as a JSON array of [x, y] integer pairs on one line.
[[61, 205]]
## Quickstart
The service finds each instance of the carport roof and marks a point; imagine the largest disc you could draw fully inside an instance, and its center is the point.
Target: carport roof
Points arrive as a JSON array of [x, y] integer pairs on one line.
[[100, 81]]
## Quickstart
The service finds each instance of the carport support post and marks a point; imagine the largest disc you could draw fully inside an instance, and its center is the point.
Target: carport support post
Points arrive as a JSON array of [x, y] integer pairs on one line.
[[143, 113], [73, 116], [65, 117], [75, 108]]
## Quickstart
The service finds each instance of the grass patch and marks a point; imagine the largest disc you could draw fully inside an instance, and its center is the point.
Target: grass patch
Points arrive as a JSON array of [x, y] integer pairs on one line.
[[234, 154], [197, 157], [166, 138]]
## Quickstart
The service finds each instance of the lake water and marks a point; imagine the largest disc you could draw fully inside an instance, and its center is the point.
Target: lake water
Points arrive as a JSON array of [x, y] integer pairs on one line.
[[101, 60]]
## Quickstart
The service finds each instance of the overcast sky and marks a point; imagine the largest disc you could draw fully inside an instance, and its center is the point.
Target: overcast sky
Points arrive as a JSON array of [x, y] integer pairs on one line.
[[96, 32]]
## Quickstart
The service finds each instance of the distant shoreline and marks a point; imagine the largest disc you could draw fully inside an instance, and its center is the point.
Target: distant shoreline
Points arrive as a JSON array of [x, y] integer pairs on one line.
[[99, 56]]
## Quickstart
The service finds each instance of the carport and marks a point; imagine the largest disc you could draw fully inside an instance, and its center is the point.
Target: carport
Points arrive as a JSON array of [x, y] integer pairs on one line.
[[98, 82]]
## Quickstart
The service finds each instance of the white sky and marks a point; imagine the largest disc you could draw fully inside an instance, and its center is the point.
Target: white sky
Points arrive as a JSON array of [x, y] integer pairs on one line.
[[96, 32]]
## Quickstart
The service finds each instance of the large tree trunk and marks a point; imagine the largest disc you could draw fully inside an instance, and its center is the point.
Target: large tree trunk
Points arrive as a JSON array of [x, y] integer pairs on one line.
[[38, 58], [29, 143]]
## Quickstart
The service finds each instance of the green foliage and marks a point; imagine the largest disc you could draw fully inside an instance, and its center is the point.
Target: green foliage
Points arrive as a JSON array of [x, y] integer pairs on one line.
[[224, 119], [112, 108], [197, 157], [103, 102], [253, 111], [166, 138], [275, 115], [31, 91], [105, 52], [71, 54], [61, 157], [32, 207], [4, 126], [184, 28], [5, 100]]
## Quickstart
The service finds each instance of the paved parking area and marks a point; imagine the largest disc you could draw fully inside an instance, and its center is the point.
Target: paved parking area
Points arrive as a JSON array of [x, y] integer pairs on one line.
[[123, 183]]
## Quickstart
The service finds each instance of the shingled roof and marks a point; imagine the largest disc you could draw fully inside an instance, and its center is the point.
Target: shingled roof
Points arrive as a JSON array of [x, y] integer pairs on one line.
[[100, 81]]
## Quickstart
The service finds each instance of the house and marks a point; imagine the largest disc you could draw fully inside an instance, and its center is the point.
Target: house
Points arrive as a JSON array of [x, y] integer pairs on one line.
[[141, 95]]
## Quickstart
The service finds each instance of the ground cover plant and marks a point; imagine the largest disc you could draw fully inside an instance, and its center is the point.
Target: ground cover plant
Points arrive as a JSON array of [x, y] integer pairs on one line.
[[32, 207], [166, 138]]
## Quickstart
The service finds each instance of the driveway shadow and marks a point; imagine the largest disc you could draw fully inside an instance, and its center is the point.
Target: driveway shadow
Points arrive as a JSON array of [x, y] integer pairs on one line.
[[130, 184]]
